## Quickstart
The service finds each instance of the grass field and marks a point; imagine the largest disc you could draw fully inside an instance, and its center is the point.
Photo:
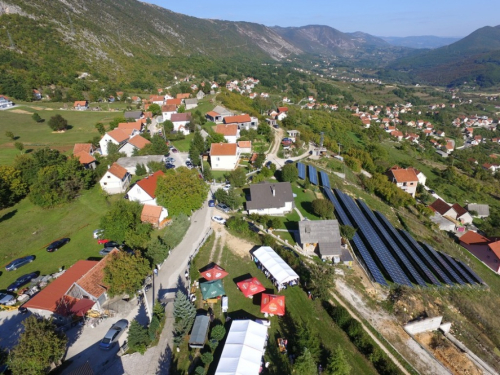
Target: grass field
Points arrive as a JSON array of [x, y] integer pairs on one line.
[[183, 144], [27, 230]]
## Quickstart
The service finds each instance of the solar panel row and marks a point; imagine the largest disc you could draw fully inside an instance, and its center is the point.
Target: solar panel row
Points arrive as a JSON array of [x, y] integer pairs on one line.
[[451, 273], [391, 244], [325, 180], [429, 261], [313, 175], [358, 243], [372, 239], [460, 272], [302, 171], [470, 272]]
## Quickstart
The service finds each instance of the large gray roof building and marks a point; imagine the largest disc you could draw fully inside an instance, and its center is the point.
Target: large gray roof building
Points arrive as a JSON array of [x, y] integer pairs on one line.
[[270, 198]]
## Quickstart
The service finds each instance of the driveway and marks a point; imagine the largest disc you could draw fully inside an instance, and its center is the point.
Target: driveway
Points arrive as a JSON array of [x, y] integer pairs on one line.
[[273, 154]]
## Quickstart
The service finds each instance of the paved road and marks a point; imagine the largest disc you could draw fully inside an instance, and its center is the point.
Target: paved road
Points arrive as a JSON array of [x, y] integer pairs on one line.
[[273, 154]]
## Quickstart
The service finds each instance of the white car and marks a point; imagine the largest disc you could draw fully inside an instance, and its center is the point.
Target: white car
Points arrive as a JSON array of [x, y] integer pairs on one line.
[[97, 233], [219, 220], [226, 187]]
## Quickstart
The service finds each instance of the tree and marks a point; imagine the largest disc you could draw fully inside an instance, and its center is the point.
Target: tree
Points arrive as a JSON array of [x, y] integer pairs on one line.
[[114, 123], [181, 190], [100, 128], [36, 117], [122, 218], [338, 364], [38, 347], [10, 135], [138, 337], [155, 166], [237, 177], [199, 370], [19, 146], [322, 208], [259, 160], [125, 273], [289, 173], [155, 109], [184, 314], [156, 147], [156, 251], [168, 127], [347, 231], [304, 365], [140, 170], [181, 109], [218, 332], [207, 358], [58, 123]]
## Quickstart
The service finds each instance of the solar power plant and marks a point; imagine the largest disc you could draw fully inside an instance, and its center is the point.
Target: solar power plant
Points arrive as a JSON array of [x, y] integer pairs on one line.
[[391, 244], [302, 170], [444, 265], [453, 263], [373, 240], [406, 247], [313, 175], [358, 242], [470, 272], [431, 263], [325, 180]]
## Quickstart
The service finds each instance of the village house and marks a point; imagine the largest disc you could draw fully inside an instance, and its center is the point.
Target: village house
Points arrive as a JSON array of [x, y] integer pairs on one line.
[[157, 99], [224, 156], [116, 180], [200, 95], [282, 113], [134, 115], [293, 134], [230, 132], [81, 105], [37, 95], [405, 179], [177, 102], [270, 198], [191, 103], [134, 144], [167, 111], [84, 152], [144, 190], [131, 128], [154, 215], [181, 122], [116, 136], [5, 102], [245, 147], [214, 117], [485, 250]]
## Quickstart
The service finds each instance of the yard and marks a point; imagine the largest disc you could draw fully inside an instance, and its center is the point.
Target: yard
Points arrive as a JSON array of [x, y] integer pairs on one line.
[[27, 229], [183, 144]]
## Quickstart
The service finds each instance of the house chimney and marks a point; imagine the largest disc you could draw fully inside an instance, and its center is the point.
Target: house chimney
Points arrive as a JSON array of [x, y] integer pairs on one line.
[[273, 190], [109, 166]]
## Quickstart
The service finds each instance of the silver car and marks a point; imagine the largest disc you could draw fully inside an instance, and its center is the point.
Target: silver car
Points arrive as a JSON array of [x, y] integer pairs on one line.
[[7, 299], [113, 334]]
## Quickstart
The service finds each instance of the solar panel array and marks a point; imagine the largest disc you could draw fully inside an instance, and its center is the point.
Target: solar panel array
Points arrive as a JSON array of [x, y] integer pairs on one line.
[[358, 243], [313, 175], [302, 171], [405, 246], [325, 180], [391, 244], [373, 240], [395, 254]]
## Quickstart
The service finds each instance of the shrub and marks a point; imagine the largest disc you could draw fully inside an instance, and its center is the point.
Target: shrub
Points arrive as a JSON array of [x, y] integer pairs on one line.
[[138, 338]]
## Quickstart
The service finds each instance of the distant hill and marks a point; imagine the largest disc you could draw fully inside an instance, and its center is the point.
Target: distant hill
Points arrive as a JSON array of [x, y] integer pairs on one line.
[[426, 41], [473, 59]]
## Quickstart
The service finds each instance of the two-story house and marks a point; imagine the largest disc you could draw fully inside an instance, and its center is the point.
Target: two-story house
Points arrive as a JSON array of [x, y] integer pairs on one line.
[[181, 122], [224, 156], [116, 179], [144, 190], [230, 132], [115, 136], [134, 144], [405, 179]]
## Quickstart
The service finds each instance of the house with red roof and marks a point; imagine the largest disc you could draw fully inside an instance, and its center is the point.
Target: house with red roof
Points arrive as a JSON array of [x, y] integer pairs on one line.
[[181, 122], [84, 152], [245, 147], [116, 180], [81, 105], [144, 190], [214, 117], [230, 132], [116, 136], [224, 156], [154, 215], [134, 144], [483, 248], [243, 121], [494, 255], [282, 113], [405, 179]]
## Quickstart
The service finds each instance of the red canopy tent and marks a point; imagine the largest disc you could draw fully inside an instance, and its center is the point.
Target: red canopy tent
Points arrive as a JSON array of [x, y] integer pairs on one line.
[[214, 272], [272, 304], [250, 287]]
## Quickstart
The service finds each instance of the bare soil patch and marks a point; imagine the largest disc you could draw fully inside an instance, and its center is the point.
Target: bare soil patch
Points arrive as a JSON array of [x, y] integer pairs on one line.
[[42, 109], [238, 246], [21, 111]]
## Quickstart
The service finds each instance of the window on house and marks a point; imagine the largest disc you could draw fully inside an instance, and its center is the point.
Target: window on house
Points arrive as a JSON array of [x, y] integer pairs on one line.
[[109, 176], [105, 183], [218, 159]]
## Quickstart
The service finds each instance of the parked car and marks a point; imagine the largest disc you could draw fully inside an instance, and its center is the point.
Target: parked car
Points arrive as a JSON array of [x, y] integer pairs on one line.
[[7, 299], [57, 244], [289, 161], [174, 150], [19, 262], [111, 337], [106, 251], [189, 164], [112, 244], [226, 187], [170, 160], [169, 166], [222, 207], [98, 233], [211, 203], [219, 219], [269, 163], [23, 280]]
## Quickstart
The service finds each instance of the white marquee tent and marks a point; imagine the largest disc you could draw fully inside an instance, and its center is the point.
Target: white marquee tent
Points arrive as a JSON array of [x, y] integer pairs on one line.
[[244, 349], [275, 265]]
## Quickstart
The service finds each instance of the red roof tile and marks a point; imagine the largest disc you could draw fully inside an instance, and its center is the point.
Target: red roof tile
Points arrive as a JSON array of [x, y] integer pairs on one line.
[[93, 281], [404, 175], [84, 157], [229, 130], [79, 147], [495, 247], [151, 214], [180, 117], [80, 103], [138, 141], [148, 184], [174, 101], [169, 108], [237, 119], [117, 170], [223, 149], [137, 125], [213, 114], [245, 144], [473, 238], [183, 96], [440, 206], [118, 135]]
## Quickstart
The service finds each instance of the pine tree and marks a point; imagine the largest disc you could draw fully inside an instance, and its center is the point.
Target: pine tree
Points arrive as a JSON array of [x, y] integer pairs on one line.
[[184, 313], [138, 338], [338, 363], [140, 170], [305, 364]]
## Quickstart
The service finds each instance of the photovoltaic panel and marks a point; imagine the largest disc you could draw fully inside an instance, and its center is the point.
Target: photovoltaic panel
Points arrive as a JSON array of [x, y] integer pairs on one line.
[[460, 272], [470, 272], [391, 245], [302, 171], [444, 265], [358, 243], [372, 240], [406, 247], [313, 175], [325, 180], [431, 263]]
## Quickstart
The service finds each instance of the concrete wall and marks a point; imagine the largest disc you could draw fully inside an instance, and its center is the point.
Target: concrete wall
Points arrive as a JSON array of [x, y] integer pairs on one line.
[[429, 324]]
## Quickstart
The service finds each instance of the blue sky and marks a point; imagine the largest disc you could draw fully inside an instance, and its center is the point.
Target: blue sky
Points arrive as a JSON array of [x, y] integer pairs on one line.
[[380, 18]]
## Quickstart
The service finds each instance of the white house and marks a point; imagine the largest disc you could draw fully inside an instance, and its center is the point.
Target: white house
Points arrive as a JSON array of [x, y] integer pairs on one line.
[[191, 103], [144, 190], [270, 198], [230, 132], [405, 179], [293, 134], [245, 147], [282, 113], [5, 102], [116, 180], [181, 121], [154, 215], [135, 143], [81, 105], [116, 136], [224, 156], [168, 110]]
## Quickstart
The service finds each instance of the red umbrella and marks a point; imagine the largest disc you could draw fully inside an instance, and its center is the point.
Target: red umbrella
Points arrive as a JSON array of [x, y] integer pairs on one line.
[[215, 272], [251, 286], [272, 304]]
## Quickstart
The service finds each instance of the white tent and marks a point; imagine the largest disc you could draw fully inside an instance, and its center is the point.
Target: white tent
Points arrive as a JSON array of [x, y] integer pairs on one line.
[[243, 350], [273, 263]]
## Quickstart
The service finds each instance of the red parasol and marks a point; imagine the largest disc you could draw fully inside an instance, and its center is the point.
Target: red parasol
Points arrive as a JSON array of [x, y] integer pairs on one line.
[[250, 287], [214, 273], [272, 304]]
